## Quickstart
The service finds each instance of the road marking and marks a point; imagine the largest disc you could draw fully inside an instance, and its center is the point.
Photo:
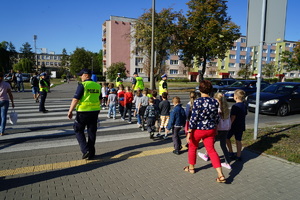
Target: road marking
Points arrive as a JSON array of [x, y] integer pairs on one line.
[[74, 163]]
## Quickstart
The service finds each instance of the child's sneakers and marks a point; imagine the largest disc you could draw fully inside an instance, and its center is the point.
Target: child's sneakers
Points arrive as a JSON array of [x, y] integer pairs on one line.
[[226, 165], [203, 156], [158, 135]]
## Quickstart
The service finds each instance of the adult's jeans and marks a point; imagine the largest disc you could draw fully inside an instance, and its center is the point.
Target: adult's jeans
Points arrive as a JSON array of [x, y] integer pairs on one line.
[[89, 120], [20, 85], [112, 110], [3, 114]]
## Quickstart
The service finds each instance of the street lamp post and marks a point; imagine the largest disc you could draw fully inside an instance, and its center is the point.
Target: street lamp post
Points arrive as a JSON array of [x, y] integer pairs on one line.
[[152, 86], [36, 57]]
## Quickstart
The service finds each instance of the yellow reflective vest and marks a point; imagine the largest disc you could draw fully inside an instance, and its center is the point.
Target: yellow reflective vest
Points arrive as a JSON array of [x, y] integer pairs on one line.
[[90, 99], [161, 89], [139, 83]]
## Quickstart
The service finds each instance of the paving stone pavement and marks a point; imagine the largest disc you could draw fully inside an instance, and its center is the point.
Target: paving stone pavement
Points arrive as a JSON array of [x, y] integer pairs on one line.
[[126, 173]]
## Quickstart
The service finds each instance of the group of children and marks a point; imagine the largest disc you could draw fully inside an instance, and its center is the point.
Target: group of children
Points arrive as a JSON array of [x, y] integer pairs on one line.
[[154, 114]]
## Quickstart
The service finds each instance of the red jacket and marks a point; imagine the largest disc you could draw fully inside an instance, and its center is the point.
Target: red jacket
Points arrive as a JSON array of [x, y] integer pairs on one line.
[[128, 98]]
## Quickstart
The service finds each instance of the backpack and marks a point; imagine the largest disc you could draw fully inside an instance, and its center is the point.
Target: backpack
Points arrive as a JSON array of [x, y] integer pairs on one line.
[[34, 81]]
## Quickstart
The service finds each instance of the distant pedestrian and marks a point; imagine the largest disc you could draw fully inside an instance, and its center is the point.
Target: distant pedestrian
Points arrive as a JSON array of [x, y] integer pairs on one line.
[[87, 103], [34, 82], [118, 80], [104, 93], [151, 115], [203, 123], [128, 98], [44, 89], [238, 124], [5, 95], [164, 110], [20, 83], [112, 103]]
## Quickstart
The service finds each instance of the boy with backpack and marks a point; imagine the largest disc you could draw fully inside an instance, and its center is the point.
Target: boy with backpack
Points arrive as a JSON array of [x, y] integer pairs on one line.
[[176, 122], [151, 114]]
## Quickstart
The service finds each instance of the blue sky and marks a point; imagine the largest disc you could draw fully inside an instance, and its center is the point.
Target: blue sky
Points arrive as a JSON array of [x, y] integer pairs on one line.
[[77, 23]]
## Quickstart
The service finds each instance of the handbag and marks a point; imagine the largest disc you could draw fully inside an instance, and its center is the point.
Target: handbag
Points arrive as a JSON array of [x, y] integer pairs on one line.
[[13, 117], [224, 124]]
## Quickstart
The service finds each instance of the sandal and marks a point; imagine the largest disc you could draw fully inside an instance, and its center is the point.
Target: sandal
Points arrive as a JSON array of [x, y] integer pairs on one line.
[[187, 169], [221, 179]]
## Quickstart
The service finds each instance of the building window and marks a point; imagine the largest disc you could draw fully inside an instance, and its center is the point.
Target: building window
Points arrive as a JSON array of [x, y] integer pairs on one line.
[[184, 72], [55, 57], [243, 40], [285, 74], [51, 63], [243, 48], [232, 56], [272, 51], [222, 67], [272, 59], [265, 50], [173, 62], [243, 57], [138, 61], [264, 58], [231, 64], [47, 63], [43, 57], [292, 75], [139, 70], [287, 44], [173, 71], [233, 48], [232, 73]]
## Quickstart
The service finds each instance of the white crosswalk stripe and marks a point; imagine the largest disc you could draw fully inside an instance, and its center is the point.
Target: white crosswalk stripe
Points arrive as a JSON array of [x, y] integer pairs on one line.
[[35, 130]]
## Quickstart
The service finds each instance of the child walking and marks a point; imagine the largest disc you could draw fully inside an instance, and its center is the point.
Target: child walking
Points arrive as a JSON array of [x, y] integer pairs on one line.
[[164, 110], [176, 122], [111, 103], [142, 107], [128, 98], [238, 124], [151, 114]]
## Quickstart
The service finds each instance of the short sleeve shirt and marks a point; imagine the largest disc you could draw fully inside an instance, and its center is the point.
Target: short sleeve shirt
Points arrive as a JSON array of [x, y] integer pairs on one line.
[[239, 110]]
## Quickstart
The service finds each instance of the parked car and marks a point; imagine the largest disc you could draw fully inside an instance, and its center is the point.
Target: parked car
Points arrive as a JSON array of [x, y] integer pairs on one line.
[[219, 84], [249, 86], [278, 98], [26, 77]]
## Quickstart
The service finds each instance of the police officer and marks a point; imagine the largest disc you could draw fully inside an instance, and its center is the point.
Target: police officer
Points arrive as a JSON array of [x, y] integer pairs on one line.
[[163, 85], [137, 82], [87, 103], [118, 80], [44, 89]]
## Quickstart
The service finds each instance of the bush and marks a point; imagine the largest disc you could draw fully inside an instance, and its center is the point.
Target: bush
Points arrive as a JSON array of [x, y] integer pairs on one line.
[[179, 80]]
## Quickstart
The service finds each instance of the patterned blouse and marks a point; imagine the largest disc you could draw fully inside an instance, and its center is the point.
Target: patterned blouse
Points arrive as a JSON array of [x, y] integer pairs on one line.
[[204, 114]]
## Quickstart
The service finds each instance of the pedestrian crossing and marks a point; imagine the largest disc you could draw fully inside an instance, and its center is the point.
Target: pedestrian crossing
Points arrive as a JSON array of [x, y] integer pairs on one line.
[[36, 130]]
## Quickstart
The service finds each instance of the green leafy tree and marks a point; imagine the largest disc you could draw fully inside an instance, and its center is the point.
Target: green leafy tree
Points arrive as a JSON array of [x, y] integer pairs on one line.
[[24, 65], [291, 60], [269, 69], [80, 59], [245, 71], [165, 30], [114, 69], [8, 56], [64, 58], [207, 33], [26, 51]]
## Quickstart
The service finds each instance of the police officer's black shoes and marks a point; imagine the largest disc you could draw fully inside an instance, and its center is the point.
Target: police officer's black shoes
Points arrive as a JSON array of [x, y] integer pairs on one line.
[[86, 155], [44, 111]]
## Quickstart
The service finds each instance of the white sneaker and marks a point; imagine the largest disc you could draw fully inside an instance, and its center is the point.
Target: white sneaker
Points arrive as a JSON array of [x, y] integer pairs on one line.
[[203, 156], [226, 165]]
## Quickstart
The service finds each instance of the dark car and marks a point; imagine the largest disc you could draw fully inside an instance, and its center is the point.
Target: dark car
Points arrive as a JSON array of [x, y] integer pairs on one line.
[[278, 98], [219, 84], [249, 86]]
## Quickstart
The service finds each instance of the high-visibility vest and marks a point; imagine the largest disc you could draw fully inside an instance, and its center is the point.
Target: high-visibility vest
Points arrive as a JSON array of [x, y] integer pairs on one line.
[[45, 89], [139, 83], [90, 99], [118, 82], [160, 87]]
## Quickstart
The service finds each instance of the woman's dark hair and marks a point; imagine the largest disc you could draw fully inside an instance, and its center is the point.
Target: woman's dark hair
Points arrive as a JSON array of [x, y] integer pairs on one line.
[[205, 87]]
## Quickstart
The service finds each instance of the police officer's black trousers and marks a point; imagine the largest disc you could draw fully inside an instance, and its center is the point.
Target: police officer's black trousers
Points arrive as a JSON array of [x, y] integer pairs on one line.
[[89, 120], [43, 96]]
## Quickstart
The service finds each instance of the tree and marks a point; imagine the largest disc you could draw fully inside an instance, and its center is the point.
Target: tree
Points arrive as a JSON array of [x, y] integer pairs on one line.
[[269, 69], [64, 58], [26, 51], [165, 29], [245, 71], [8, 56], [81, 59], [24, 65], [207, 33], [291, 60], [114, 69], [100, 61]]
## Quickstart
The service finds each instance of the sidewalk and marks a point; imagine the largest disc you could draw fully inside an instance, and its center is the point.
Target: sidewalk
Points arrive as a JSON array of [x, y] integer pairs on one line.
[[141, 169]]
